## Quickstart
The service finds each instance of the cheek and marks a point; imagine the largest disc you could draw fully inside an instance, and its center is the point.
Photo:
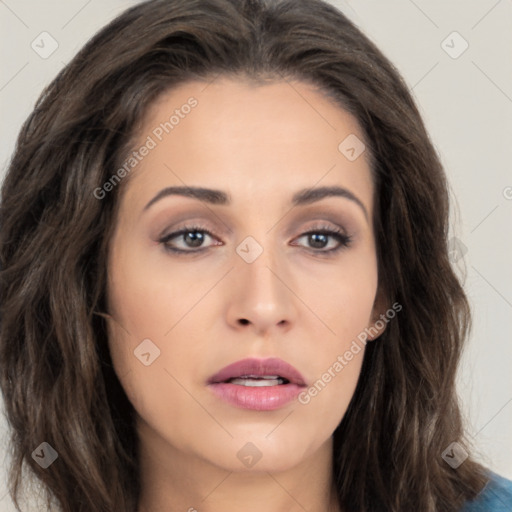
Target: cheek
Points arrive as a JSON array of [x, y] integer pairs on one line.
[[332, 390], [146, 303], [143, 302], [342, 296], [345, 302]]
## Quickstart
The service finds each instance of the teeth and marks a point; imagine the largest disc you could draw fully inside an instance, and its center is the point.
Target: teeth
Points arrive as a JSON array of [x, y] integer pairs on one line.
[[257, 381], [271, 377]]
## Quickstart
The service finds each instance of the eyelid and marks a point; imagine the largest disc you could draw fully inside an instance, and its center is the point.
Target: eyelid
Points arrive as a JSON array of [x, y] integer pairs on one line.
[[187, 225], [324, 214]]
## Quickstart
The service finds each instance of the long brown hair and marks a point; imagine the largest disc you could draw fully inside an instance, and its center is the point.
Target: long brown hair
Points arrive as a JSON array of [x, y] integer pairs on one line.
[[56, 374]]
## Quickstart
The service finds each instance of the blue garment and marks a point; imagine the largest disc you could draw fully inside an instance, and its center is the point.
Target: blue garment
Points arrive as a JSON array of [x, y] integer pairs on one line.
[[495, 497]]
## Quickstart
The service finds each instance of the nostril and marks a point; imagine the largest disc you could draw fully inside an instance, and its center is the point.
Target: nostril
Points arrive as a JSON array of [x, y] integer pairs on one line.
[[244, 321]]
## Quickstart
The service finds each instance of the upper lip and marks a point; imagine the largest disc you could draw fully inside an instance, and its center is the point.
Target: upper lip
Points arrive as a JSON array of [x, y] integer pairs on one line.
[[259, 367]]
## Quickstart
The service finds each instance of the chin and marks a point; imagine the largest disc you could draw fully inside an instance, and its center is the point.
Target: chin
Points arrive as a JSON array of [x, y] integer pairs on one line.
[[257, 453]]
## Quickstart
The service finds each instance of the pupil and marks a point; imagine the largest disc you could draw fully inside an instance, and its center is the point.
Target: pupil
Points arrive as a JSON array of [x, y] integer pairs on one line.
[[194, 238], [318, 240]]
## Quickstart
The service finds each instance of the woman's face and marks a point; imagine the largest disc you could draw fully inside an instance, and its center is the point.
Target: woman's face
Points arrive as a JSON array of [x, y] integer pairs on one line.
[[248, 282]]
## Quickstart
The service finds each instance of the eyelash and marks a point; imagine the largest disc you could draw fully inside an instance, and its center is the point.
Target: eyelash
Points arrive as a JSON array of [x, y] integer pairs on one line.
[[343, 239]]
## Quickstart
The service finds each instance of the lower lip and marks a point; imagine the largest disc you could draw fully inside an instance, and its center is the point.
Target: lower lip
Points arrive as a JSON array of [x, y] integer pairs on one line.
[[264, 398]]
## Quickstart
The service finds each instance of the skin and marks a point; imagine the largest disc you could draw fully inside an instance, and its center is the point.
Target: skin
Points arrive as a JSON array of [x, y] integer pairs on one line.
[[260, 144]]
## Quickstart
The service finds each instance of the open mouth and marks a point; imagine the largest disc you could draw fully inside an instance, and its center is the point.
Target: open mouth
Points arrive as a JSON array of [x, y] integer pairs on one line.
[[258, 372], [255, 381], [257, 384]]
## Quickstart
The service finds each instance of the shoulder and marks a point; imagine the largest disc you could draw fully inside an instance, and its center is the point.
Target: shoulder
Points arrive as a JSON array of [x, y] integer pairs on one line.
[[495, 497]]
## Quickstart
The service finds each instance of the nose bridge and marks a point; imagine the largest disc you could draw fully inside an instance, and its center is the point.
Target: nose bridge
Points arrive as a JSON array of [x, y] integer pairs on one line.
[[257, 260], [261, 296]]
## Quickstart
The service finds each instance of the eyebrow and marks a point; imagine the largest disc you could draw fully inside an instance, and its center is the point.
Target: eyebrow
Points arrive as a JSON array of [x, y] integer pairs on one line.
[[218, 197]]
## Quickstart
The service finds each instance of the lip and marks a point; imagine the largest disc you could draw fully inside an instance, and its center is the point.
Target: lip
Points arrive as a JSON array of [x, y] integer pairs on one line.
[[265, 398]]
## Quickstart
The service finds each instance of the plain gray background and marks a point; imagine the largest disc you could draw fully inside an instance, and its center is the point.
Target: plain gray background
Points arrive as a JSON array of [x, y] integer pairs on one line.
[[465, 96]]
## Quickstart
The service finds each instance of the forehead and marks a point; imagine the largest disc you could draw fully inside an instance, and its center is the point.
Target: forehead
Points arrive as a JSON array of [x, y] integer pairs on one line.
[[252, 138]]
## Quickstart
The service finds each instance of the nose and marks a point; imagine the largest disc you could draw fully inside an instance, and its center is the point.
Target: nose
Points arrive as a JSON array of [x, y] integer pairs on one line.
[[261, 298]]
